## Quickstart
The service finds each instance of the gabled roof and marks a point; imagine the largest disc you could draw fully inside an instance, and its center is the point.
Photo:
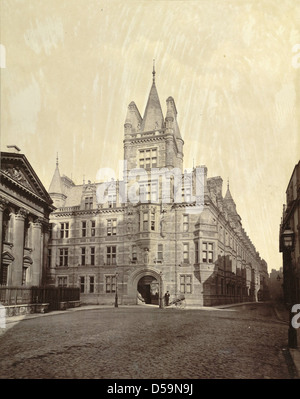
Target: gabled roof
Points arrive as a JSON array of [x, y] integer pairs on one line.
[[74, 195]]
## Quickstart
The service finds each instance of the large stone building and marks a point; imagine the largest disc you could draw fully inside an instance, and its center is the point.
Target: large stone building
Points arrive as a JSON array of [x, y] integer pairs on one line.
[[25, 206], [166, 233], [290, 225]]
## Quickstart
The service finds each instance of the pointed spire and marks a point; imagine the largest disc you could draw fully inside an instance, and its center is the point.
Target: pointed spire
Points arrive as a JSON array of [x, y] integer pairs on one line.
[[228, 193], [128, 121], [56, 184], [153, 117], [133, 119]]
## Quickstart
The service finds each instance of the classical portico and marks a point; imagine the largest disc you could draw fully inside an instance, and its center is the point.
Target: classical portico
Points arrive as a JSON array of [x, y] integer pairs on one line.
[[24, 222]]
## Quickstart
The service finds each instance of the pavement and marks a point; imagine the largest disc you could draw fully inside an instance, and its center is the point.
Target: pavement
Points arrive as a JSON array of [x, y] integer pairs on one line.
[[280, 314], [283, 315]]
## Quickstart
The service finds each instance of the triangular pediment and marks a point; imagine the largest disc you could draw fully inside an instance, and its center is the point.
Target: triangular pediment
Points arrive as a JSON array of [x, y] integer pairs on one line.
[[19, 176], [17, 169]]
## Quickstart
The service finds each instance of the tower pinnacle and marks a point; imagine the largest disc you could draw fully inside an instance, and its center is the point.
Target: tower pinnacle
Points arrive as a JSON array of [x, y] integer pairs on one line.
[[153, 72], [56, 189]]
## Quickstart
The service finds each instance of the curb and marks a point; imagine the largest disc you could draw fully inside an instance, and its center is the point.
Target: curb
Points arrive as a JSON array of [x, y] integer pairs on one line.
[[294, 352], [16, 319]]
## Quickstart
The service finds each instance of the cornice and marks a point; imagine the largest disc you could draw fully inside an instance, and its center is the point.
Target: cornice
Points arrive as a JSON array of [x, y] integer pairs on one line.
[[89, 212]]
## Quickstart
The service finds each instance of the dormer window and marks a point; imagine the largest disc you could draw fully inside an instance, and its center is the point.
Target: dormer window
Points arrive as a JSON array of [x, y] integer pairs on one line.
[[88, 203], [112, 200]]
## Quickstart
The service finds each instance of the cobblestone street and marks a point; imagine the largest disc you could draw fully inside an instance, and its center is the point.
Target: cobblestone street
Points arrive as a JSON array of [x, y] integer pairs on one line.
[[147, 342]]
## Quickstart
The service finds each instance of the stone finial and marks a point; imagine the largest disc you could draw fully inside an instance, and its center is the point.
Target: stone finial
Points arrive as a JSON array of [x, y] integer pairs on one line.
[[153, 72]]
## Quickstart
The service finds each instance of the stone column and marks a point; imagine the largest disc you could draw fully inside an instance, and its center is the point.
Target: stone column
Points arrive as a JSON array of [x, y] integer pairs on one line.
[[3, 204], [18, 241], [36, 274], [45, 240], [2, 207]]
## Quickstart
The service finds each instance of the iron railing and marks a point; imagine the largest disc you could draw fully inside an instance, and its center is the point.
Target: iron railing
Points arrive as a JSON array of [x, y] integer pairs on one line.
[[51, 295]]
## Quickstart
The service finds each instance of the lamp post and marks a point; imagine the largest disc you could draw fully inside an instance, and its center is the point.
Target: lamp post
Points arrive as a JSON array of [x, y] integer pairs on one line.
[[289, 282], [116, 296], [160, 290]]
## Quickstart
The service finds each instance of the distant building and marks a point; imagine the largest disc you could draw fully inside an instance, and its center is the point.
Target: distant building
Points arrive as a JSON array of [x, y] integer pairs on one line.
[[144, 248], [276, 285], [25, 206], [291, 222]]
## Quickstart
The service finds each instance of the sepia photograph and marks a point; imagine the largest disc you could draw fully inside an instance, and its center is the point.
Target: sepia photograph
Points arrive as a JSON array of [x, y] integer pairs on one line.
[[149, 193]]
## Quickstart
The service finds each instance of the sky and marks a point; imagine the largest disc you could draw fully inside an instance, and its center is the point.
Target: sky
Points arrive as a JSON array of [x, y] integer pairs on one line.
[[73, 66]]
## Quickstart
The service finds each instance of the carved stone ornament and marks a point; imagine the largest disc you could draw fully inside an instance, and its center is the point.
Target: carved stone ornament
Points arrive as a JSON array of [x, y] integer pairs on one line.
[[129, 226], [146, 256], [162, 224], [129, 210], [16, 174], [38, 222], [3, 203], [21, 214]]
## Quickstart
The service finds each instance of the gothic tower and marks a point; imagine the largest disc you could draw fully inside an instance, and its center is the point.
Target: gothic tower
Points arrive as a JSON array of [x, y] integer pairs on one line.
[[153, 141]]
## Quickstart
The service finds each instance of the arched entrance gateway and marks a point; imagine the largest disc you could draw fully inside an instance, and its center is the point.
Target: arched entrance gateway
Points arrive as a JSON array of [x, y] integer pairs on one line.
[[145, 285], [148, 288]]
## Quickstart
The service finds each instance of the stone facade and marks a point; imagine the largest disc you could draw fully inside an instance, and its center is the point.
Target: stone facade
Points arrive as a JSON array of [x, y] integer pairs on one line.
[[154, 238], [291, 221], [25, 206]]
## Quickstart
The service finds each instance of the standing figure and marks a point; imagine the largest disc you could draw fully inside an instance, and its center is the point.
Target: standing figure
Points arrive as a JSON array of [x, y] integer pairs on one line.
[[167, 296]]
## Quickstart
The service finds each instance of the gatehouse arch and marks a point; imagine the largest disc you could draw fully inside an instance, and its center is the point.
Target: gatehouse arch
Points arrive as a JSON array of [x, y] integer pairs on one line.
[[146, 286]]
